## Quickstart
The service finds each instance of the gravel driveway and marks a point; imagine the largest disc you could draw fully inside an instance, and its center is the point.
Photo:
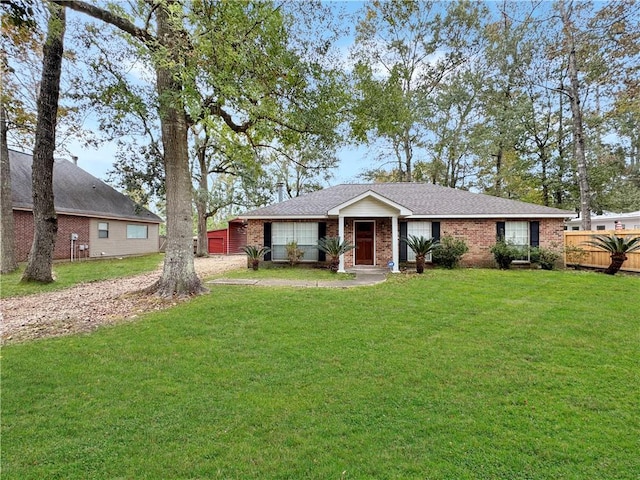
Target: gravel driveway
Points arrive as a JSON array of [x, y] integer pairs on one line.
[[86, 306]]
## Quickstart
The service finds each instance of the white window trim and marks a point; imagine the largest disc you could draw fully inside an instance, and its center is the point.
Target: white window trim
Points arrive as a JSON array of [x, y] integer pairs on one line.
[[411, 257], [137, 225], [528, 239], [310, 248]]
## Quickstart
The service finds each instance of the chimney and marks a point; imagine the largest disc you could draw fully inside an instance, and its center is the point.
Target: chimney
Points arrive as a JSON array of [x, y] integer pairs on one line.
[[74, 158], [280, 186]]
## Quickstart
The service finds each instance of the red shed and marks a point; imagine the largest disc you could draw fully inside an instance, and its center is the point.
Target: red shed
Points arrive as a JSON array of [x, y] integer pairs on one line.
[[230, 240]]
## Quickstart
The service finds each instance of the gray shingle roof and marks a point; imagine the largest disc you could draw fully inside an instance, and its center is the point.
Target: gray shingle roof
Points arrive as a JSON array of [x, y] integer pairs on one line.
[[75, 192], [423, 199]]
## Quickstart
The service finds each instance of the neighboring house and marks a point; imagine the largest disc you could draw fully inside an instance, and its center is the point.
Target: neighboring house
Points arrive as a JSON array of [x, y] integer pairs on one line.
[[375, 217], [609, 221], [94, 220], [230, 240]]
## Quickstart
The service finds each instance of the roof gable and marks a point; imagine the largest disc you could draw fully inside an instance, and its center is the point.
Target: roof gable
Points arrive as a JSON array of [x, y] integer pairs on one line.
[[369, 203], [75, 191]]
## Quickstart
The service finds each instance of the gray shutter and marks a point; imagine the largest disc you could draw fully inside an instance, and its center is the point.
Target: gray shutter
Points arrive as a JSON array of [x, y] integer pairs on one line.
[[435, 231], [403, 244], [322, 232], [267, 240], [534, 234]]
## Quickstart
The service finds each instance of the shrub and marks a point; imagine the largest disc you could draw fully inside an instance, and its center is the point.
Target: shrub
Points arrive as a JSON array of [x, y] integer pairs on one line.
[[449, 252], [545, 257], [255, 254], [294, 254], [618, 246], [504, 253], [575, 255], [334, 247], [422, 247]]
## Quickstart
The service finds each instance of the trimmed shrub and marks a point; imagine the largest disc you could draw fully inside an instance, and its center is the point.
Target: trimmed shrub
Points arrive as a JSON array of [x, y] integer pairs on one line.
[[449, 251], [504, 253]]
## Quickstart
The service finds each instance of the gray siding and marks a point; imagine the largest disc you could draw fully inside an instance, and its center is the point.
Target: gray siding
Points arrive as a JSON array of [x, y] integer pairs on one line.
[[118, 244]]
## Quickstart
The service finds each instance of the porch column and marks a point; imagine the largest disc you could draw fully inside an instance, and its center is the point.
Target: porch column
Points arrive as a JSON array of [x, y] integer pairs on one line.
[[341, 235], [395, 245]]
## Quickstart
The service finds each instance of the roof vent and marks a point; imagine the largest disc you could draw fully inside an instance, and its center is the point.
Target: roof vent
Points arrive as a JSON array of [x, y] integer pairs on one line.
[[74, 158]]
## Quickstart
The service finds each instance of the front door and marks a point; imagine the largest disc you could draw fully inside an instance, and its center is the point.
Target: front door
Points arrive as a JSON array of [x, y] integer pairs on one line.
[[365, 232]]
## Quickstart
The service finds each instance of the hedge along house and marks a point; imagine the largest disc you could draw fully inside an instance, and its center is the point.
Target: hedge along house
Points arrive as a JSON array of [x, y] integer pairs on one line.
[[376, 217], [94, 220]]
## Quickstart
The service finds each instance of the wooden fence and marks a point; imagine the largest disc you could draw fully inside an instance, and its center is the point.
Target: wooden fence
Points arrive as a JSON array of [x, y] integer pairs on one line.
[[595, 257]]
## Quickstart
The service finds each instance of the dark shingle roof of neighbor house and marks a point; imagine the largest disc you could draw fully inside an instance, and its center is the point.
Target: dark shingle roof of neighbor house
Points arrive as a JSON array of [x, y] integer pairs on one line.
[[75, 192], [423, 199]]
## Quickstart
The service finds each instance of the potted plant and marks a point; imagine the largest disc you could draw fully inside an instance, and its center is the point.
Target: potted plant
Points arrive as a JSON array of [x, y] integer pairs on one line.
[[255, 254], [422, 247], [617, 246], [334, 247]]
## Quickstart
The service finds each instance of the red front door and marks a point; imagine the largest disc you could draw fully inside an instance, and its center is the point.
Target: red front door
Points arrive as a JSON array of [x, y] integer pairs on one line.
[[364, 243]]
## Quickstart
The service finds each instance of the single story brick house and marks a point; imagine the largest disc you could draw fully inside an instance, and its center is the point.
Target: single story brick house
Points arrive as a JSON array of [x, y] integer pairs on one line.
[[94, 219], [375, 217]]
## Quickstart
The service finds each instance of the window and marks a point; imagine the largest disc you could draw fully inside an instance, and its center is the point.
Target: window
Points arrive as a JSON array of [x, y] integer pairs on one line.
[[137, 231], [575, 228], [103, 229], [418, 229], [600, 227], [305, 234], [517, 234]]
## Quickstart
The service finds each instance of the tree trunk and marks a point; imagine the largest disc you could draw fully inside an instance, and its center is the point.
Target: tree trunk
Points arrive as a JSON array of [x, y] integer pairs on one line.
[[617, 259], [178, 275], [202, 248], [8, 261], [576, 114], [419, 264], [39, 266]]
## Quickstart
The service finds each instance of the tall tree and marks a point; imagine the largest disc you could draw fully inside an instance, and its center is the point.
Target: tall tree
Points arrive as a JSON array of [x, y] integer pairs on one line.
[[168, 47], [574, 92], [226, 62], [39, 266], [403, 51]]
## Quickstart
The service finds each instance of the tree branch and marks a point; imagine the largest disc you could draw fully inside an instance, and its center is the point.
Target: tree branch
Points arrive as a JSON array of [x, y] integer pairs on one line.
[[106, 16]]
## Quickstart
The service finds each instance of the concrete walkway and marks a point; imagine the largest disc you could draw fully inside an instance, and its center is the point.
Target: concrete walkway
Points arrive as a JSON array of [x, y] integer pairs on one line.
[[364, 276]]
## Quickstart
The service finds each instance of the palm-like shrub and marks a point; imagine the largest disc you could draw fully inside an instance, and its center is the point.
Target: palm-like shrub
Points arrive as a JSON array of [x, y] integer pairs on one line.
[[422, 247], [255, 254], [618, 246], [334, 247]]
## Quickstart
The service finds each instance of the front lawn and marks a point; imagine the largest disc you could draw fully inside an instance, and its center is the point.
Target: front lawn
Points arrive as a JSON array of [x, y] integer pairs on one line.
[[68, 274], [465, 374]]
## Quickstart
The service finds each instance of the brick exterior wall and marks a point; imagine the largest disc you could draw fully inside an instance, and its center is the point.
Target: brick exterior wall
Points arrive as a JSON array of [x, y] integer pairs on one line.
[[67, 224], [480, 235]]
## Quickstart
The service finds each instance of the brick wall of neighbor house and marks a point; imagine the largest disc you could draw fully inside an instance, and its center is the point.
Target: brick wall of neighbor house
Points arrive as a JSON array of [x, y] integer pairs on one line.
[[67, 225], [480, 235]]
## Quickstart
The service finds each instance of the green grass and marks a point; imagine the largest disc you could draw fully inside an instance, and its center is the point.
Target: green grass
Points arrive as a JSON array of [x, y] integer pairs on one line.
[[68, 274], [465, 374]]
